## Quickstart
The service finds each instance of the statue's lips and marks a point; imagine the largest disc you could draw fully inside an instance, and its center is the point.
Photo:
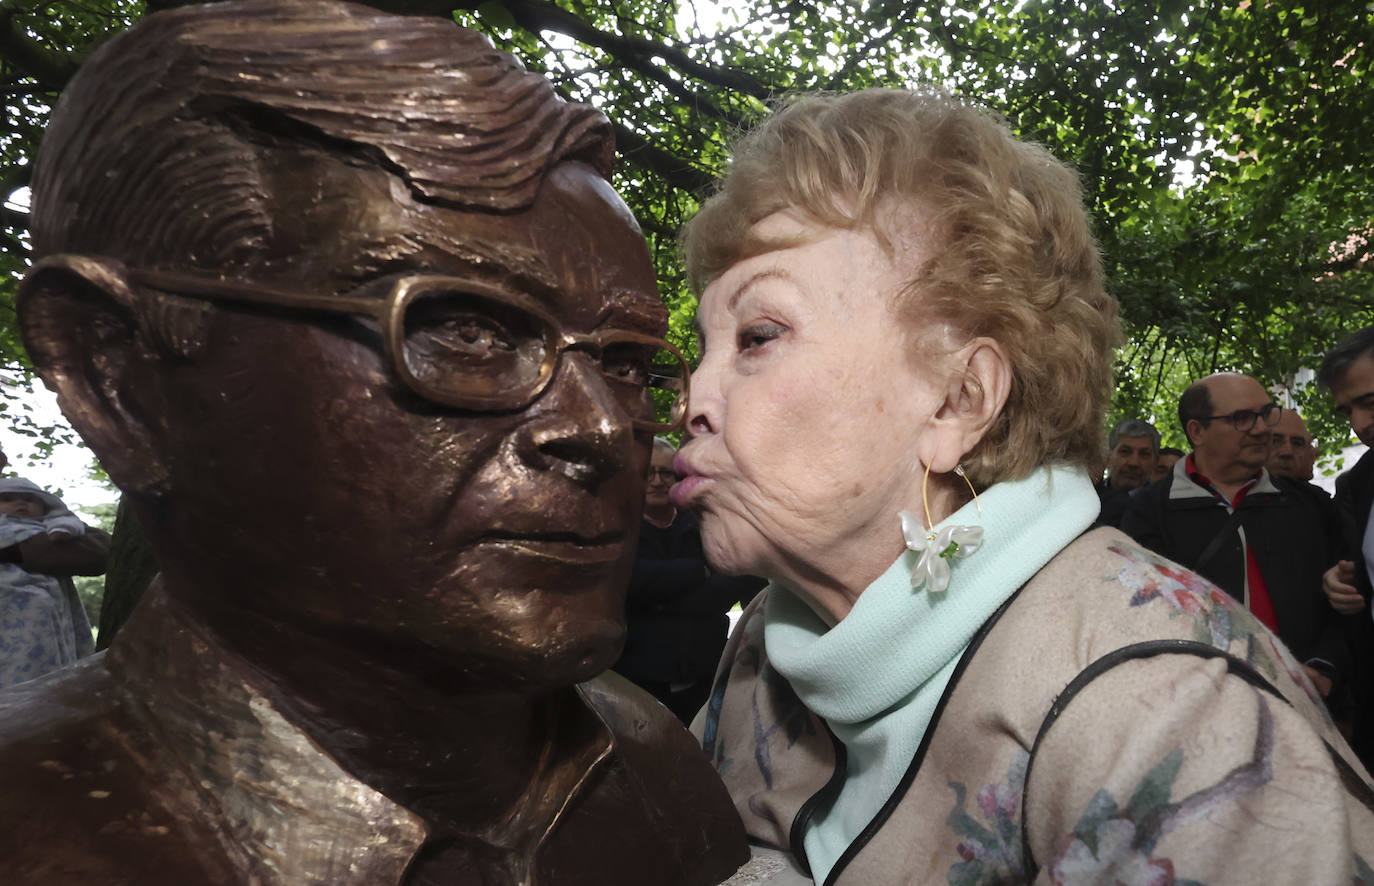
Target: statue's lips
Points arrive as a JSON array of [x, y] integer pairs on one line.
[[567, 547]]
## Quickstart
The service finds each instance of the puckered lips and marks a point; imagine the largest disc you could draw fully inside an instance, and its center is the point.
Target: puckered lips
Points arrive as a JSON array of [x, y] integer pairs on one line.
[[689, 483]]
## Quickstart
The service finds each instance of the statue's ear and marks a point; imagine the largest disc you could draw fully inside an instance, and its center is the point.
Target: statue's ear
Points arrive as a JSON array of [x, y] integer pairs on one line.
[[78, 318]]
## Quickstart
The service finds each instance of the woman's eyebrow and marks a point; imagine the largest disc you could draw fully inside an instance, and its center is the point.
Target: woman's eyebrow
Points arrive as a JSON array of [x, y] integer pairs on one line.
[[732, 302], [754, 279]]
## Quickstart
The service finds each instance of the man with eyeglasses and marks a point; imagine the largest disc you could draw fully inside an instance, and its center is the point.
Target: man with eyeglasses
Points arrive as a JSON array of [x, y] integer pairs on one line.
[[1262, 539], [346, 305]]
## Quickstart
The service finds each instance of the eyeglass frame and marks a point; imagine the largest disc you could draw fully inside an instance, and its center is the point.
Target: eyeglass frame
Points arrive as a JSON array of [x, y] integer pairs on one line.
[[389, 312], [1256, 416]]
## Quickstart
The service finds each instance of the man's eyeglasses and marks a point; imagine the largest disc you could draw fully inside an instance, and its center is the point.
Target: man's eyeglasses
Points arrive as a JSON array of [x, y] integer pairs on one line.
[[667, 475], [471, 345], [1244, 420]]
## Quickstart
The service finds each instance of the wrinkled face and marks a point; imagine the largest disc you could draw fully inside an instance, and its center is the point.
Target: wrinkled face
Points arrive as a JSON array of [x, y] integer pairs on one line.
[[661, 478], [20, 504], [494, 545], [1354, 396], [1221, 448], [1290, 448], [1131, 463], [806, 408]]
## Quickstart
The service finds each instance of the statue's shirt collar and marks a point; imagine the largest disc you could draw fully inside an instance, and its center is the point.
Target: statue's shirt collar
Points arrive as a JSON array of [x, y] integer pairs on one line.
[[282, 806]]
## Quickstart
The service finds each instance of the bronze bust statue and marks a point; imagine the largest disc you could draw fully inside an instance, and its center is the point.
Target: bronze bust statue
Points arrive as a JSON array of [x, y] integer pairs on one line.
[[345, 304]]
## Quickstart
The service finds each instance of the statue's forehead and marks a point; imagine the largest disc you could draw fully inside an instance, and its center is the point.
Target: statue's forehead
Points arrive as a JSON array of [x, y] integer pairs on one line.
[[581, 254], [576, 248]]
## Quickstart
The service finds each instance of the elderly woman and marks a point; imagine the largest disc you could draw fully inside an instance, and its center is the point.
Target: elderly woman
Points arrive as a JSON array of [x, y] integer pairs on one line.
[[906, 351]]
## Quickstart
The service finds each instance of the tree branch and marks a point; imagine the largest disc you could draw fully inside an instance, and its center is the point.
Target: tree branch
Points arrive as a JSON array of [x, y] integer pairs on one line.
[[13, 218], [52, 69], [12, 178], [538, 15], [695, 99], [639, 151], [13, 245]]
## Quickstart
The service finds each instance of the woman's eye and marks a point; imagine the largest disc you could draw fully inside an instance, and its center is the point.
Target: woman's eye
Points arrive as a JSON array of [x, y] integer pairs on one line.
[[753, 337]]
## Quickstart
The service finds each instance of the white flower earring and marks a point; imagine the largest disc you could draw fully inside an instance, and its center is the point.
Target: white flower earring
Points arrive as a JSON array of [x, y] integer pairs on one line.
[[937, 549]]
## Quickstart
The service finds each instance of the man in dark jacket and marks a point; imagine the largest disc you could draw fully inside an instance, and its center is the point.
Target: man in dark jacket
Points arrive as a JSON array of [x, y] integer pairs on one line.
[[676, 605], [1132, 452], [1263, 540], [1348, 372]]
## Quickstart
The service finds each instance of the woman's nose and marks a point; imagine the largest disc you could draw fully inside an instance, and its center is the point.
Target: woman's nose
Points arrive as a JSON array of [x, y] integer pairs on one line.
[[705, 407]]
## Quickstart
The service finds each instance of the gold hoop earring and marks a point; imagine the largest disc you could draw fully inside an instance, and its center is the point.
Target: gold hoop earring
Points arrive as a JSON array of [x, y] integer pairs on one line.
[[937, 549]]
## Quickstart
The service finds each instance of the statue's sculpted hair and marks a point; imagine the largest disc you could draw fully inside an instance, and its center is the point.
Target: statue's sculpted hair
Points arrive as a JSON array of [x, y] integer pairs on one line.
[[151, 152], [1011, 255]]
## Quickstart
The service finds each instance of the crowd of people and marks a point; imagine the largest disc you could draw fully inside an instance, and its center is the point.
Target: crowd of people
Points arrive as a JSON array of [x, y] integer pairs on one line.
[[1240, 509]]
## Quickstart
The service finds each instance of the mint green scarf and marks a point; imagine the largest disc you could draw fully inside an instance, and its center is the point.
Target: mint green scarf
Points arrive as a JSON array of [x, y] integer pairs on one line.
[[877, 676]]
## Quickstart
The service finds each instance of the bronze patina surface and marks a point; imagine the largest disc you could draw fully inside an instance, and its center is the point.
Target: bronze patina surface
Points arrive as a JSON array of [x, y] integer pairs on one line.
[[395, 541]]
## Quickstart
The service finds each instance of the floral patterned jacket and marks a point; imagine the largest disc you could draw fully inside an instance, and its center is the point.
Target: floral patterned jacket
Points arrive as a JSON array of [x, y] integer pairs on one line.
[[1166, 769]]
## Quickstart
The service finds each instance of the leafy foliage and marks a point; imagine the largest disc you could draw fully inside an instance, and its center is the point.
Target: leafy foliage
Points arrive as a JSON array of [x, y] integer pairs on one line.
[[1221, 143]]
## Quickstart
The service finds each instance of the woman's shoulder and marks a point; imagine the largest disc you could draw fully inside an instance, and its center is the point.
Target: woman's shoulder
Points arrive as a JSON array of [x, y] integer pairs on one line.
[[1106, 596], [1104, 591], [1152, 719], [1104, 603]]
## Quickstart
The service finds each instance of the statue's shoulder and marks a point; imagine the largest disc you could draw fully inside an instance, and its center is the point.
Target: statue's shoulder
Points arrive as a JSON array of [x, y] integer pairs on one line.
[[83, 802], [689, 824], [633, 715]]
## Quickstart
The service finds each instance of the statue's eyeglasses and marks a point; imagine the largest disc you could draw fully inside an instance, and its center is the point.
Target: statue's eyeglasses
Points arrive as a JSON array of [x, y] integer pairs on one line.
[[1244, 420], [473, 346]]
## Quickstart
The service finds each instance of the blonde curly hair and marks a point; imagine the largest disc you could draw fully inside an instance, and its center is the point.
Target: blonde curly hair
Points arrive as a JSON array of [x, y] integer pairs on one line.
[[1013, 257]]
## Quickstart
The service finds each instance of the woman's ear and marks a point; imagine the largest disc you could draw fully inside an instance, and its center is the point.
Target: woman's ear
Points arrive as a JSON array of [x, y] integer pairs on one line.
[[77, 319], [977, 390]]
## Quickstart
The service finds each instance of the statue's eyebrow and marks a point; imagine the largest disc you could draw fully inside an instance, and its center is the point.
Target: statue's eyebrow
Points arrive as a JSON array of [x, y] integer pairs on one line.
[[524, 268], [517, 267], [628, 309], [500, 261]]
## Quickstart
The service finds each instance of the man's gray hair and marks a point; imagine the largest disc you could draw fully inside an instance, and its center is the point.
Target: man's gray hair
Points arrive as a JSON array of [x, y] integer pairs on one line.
[[1133, 427], [665, 443]]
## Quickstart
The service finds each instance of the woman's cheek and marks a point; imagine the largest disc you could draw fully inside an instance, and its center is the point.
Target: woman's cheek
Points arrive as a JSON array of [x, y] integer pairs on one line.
[[720, 538]]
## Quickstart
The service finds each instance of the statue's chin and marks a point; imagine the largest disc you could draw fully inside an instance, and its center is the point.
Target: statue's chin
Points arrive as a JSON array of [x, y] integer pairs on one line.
[[566, 655]]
